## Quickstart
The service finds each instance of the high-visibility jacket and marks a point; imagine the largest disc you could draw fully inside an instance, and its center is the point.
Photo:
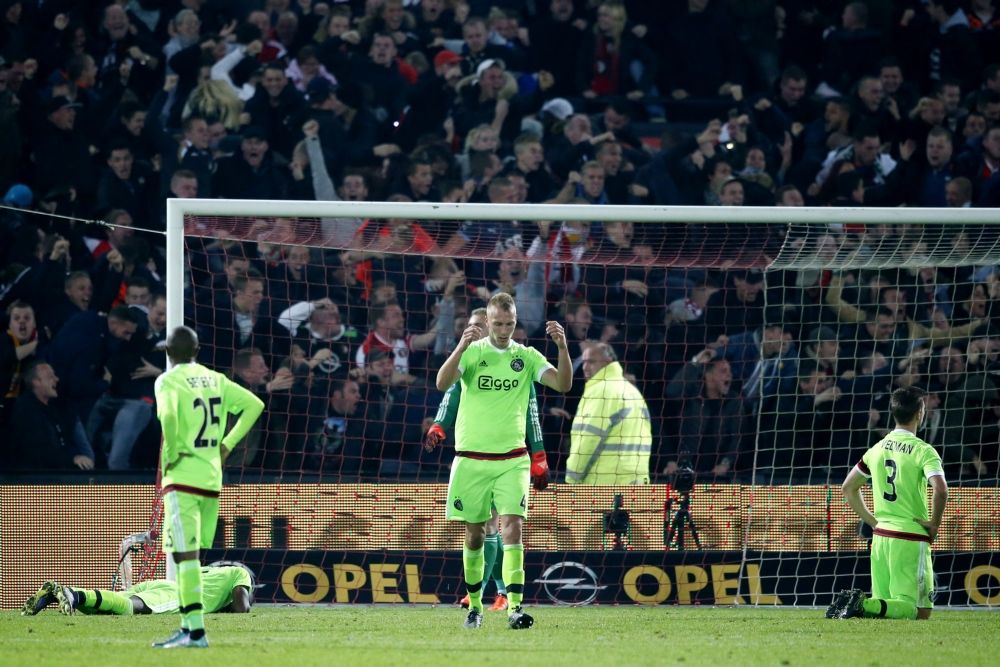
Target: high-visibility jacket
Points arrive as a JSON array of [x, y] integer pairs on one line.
[[612, 436]]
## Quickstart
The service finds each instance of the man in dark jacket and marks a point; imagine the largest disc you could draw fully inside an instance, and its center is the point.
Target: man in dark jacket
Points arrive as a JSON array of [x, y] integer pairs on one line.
[[81, 350], [45, 435], [251, 173]]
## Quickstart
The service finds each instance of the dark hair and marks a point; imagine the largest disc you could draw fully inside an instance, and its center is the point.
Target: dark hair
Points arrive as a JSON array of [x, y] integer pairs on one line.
[[865, 130], [241, 360], [123, 314], [905, 404], [794, 73], [137, 281], [29, 373], [377, 311]]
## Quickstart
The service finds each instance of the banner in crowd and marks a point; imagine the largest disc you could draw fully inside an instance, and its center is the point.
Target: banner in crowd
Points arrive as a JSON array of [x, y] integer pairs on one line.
[[588, 577]]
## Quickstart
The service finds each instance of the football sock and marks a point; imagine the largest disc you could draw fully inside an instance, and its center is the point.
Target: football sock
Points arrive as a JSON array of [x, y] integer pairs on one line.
[[472, 562], [189, 594], [498, 568], [513, 574], [878, 608], [104, 601], [491, 545]]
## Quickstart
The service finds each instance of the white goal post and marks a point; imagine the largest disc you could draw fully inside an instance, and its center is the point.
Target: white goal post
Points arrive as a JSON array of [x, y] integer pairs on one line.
[[806, 215]]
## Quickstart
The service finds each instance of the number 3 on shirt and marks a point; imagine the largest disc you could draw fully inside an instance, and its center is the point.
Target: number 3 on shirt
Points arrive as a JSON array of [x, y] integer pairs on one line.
[[890, 480], [208, 416]]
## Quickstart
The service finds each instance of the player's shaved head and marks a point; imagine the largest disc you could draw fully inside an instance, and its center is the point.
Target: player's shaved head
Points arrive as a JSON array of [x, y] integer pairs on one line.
[[182, 345]]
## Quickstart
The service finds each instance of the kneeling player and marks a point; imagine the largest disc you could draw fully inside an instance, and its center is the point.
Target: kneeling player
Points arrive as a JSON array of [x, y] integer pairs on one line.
[[226, 588]]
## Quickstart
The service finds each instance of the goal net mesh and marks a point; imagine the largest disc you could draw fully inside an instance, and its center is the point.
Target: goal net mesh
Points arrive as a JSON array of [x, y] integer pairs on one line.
[[766, 354]]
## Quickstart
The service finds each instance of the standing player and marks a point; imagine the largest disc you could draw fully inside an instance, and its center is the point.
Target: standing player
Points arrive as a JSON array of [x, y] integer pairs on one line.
[[445, 420], [194, 404], [491, 462], [900, 466], [226, 588]]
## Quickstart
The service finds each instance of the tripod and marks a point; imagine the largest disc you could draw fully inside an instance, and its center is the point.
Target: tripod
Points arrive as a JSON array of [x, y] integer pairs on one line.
[[680, 520]]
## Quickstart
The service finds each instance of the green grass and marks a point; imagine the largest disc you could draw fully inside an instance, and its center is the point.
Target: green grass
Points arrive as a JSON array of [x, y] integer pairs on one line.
[[581, 637]]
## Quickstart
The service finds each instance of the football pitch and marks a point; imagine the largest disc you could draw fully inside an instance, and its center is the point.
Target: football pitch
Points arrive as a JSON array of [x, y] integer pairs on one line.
[[581, 637]]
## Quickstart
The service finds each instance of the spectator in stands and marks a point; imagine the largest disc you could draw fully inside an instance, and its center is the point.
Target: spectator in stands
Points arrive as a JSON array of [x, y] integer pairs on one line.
[[128, 404], [388, 334], [237, 320], [317, 331], [251, 173], [738, 307], [251, 371], [63, 149], [78, 290], [126, 186], [850, 50], [490, 98], [925, 182], [980, 166], [294, 278], [763, 361], [874, 166], [477, 48], [529, 161], [18, 349], [611, 433], [613, 61], [618, 175], [274, 107], [964, 397], [958, 193], [390, 444], [894, 86], [710, 419], [871, 107], [555, 44], [702, 54], [384, 84], [574, 146], [45, 434], [336, 442], [81, 350]]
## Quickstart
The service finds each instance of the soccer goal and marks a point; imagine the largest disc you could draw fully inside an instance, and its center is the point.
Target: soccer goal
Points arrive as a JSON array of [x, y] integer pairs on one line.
[[765, 341]]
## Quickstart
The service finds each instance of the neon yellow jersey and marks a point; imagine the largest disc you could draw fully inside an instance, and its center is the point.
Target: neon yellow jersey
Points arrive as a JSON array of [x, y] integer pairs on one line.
[[496, 387], [193, 404], [899, 466]]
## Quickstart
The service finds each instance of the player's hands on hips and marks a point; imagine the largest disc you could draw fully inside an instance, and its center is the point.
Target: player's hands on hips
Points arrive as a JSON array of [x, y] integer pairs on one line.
[[471, 334], [555, 331], [435, 436], [929, 526], [539, 471]]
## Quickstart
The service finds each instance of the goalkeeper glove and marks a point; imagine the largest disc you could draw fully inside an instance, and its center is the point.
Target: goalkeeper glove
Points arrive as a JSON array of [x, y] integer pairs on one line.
[[434, 437], [539, 471]]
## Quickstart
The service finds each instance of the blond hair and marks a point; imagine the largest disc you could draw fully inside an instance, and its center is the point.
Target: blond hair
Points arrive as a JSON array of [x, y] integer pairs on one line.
[[502, 301]]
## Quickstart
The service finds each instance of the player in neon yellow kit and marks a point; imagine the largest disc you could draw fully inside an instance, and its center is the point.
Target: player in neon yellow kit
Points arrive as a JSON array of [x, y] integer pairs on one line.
[[225, 588], [491, 463], [193, 404], [900, 466]]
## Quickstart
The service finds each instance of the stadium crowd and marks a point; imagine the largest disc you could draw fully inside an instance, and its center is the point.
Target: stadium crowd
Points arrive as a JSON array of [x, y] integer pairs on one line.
[[106, 109]]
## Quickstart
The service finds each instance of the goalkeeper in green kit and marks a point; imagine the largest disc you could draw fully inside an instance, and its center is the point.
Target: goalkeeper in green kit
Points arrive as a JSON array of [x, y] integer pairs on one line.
[[193, 404], [491, 465], [900, 466], [444, 421], [224, 588]]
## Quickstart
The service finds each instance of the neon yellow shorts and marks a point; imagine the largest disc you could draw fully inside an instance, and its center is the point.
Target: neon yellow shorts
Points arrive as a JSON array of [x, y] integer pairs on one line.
[[188, 521], [902, 570], [476, 486]]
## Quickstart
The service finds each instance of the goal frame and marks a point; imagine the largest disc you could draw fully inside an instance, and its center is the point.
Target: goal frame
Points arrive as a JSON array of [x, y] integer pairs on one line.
[[808, 215]]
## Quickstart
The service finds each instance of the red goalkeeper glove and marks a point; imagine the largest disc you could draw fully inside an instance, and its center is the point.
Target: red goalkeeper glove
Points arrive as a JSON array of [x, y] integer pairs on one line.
[[539, 471], [435, 436]]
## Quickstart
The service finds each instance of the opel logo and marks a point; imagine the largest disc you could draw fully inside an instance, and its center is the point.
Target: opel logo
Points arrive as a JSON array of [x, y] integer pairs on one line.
[[570, 583]]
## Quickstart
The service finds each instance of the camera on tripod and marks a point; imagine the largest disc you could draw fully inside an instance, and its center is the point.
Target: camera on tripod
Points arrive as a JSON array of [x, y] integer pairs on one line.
[[685, 475], [617, 523], [675, 523]]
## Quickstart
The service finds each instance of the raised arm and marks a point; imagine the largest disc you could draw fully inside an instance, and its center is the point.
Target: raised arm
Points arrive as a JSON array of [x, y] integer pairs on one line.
[[449, 372], [560, 378]]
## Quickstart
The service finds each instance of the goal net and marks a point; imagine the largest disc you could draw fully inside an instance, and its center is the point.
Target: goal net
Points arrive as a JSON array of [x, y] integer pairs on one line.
[[765, 342]]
